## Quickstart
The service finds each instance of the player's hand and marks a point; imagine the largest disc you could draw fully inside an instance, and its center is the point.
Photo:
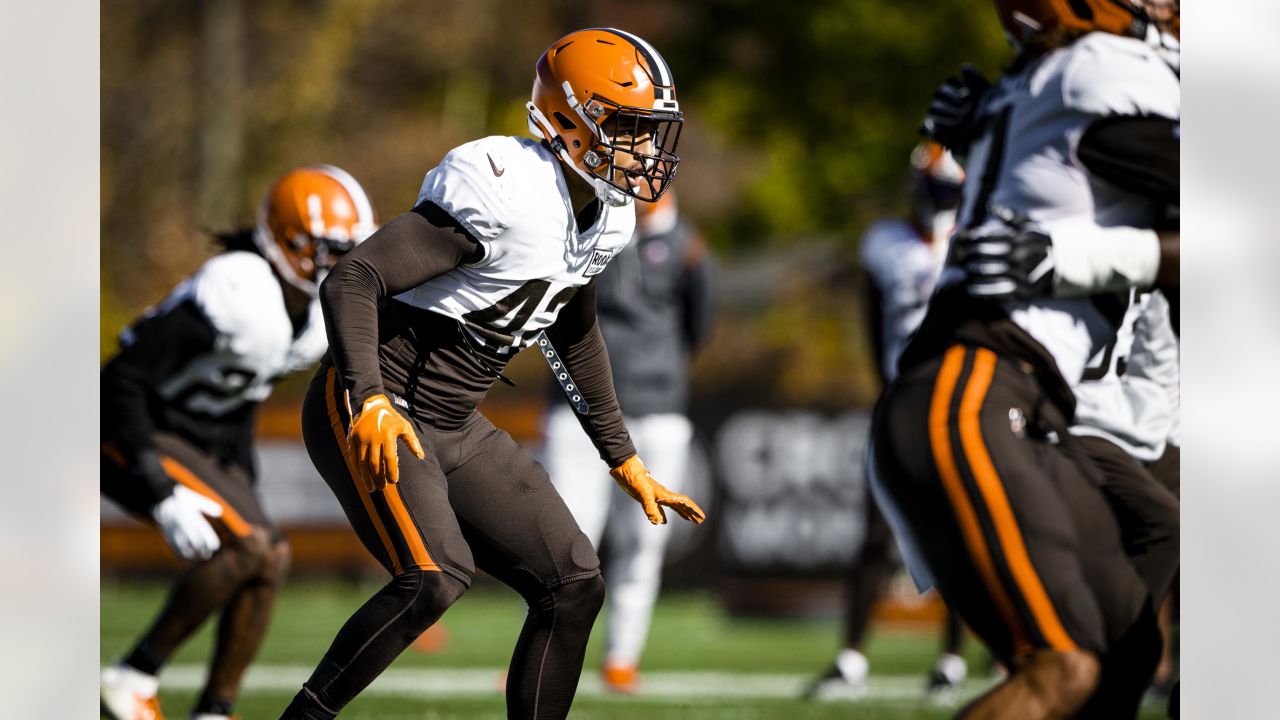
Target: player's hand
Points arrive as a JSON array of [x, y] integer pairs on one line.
[[371, 442], [184, 518], [952, 116], [1012, 261], [634, 477]]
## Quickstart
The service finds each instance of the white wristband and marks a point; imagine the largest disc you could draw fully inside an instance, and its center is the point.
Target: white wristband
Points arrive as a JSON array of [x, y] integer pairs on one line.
[[1088, 259]]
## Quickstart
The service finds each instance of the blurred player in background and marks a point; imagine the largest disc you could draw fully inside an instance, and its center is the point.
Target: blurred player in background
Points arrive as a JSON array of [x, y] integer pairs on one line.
[[1127, 420], [1073, 165], [501, 252], [178, 408], [654, 304], [902, 257]]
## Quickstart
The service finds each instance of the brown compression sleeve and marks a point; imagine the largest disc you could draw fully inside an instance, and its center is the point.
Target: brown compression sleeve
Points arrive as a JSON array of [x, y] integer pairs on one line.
[[404, 253], [576, 335]]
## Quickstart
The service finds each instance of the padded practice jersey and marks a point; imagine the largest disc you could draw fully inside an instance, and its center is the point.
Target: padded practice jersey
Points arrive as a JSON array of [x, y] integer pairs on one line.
[[1025, 160], [255, 346], [1129, 394], [510, 195], [198, 363]]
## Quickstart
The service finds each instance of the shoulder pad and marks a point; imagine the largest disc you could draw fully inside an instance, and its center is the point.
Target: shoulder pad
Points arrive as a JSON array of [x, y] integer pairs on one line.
[[1111, 75], [476, 183], [232, 289]]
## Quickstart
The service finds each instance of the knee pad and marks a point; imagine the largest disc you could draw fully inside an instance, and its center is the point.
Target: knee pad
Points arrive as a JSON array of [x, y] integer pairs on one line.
[[426, 594], [581, 599]]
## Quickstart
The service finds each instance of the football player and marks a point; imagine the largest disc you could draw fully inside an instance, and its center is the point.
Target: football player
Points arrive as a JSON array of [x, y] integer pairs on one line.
[[178, 407], [654, 303], [902, 257], [500, 252], [974, 461], [1127, 418]]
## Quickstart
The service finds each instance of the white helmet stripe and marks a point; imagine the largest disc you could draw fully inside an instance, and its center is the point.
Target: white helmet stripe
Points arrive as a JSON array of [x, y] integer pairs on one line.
[[662, 86], [364, 208]]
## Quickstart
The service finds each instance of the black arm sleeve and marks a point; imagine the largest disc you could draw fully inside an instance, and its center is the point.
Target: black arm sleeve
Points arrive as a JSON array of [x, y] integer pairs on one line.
[[404, 253], [1138, 153], [576, 336], [160, 345], [699, 294]]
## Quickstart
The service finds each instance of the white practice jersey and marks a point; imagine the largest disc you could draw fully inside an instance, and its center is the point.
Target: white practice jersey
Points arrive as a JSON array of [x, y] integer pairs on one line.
[[510, 194], [1129, 392], [904, 268], [1025, 160], [255, 347]]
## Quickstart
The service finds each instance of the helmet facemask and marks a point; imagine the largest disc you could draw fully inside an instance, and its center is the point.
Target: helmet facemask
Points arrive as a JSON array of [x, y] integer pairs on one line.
[[302, 260], [635, 148]]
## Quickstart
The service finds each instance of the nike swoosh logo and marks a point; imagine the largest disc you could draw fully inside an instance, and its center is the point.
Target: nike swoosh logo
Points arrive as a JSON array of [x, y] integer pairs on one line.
[[497, 171], [381, 412]]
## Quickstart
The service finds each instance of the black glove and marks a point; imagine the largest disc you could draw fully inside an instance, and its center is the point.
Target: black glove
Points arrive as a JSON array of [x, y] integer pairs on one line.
[[952, 120], [1009, 262]]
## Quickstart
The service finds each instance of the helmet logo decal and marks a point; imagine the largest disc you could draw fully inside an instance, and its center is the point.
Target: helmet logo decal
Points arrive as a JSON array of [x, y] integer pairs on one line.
[[315, 212], [657, 67]]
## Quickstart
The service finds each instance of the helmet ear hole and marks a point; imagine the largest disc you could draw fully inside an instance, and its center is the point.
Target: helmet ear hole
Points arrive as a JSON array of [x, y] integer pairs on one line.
[[577, 144], [565, 123]]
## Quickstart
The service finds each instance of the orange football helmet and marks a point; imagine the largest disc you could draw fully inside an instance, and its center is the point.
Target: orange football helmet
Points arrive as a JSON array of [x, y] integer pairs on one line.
[[937, 182], [657, 217], [605, 101], [309, 218], [1024, 19]]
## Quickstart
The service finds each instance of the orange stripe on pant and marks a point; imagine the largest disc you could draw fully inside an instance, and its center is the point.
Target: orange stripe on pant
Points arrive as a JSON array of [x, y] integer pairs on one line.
[[417, 549], [940, 443], [998, 508], [181, 474], [236, 524]]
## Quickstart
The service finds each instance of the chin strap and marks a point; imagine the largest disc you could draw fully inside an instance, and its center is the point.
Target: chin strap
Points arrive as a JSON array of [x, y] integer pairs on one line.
[[605, 193]]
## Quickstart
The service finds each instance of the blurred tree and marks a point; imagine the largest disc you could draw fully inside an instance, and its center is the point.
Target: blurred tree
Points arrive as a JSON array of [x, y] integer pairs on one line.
[[800, 118], [825, 97]]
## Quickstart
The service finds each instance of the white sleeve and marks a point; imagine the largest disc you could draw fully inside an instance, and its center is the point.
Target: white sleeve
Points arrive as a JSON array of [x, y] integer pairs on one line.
[[875, 252], [468, 186], [1112, 75]]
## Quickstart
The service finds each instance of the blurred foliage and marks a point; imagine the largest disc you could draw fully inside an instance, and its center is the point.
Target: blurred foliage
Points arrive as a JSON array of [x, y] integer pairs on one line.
[[825, 98], [800, 119]]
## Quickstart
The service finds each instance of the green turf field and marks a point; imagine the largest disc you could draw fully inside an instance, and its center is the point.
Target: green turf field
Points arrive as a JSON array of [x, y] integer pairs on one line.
[[699, 663]]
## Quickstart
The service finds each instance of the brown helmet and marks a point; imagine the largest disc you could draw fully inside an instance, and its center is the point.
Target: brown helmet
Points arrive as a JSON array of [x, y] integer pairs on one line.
[[605, 101], [309, 218]]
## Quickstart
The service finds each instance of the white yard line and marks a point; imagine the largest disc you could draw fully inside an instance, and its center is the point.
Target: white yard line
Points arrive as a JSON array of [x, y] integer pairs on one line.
[[472, 682]]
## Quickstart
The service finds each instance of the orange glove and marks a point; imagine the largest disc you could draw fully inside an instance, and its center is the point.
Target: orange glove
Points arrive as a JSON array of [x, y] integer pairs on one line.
[[371, 443], [634, 477]]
